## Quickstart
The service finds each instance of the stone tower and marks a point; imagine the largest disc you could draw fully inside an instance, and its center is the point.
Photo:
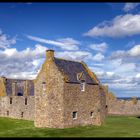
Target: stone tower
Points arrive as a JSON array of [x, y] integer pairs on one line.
[[48, 94]]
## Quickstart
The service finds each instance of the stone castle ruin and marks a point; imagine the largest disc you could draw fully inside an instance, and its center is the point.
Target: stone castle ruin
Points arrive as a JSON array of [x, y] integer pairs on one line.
[[64, 94], [129, 107]]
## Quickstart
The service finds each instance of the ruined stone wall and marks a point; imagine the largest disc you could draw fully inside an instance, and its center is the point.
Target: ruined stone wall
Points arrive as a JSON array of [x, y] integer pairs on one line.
[[16, 108], [2, 87], [104, 111], [84, 102], [18, 87], [49, 103], [123, 107]]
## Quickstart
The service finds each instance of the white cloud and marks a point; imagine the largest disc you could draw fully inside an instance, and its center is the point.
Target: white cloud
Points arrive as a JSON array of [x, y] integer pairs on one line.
[[121, 77], [63, 43], [130, 6], [138, 75], [131, 55], [124, 86], [5, 42], [98, 57], [21, 64], [10, 52], [110, 73], [80, 56], [77, 55], [120, 26], [99, 47], [126, 68], [135, 51], [120, 67], [118, 54]]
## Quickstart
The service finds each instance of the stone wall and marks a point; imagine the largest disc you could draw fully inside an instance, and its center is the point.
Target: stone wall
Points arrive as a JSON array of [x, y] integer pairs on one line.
[[2, 87], [84, 103], [56, 99], [124, 107], [104, 111], [15, 107], [49, 102]]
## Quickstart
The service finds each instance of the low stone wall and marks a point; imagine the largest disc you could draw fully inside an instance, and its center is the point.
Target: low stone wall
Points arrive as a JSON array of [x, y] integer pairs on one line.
[[124, 107], [18, 107]]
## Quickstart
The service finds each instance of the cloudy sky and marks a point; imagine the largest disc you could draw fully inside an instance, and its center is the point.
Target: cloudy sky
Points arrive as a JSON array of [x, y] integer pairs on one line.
[[104, 35]]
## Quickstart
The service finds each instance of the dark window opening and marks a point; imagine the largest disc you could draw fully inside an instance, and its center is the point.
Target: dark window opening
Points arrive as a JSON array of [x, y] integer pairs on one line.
[[44, 87], [91, 114], [74, 115], [25, 101], [7, 113], [106, 106], [19, 94], [22, 114], [10, 100]]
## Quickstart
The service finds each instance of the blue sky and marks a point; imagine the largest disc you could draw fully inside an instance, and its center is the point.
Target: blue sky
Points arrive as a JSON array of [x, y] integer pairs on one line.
[[104, 35]]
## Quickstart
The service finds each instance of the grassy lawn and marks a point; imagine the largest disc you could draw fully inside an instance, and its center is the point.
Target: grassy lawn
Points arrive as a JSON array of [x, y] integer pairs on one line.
[[114, 126]]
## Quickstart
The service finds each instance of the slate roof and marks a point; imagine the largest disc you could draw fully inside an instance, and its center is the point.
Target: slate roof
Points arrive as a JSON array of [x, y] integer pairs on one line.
[[71, 68], [19, 86]]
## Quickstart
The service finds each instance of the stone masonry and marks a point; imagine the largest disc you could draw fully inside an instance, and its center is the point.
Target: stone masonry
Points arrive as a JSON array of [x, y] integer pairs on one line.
[[60, 98], [64, 94], [122, 107]]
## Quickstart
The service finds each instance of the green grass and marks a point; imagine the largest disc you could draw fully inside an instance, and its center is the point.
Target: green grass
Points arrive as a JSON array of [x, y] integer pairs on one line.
[[114, 126]]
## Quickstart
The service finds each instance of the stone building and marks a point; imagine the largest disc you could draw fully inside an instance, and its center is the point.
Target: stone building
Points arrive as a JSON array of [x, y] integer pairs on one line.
[[17, 98], [64, 94], [67, 94]]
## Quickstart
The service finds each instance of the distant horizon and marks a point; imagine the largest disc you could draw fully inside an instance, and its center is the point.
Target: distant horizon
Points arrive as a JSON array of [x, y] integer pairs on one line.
[[128, 97]]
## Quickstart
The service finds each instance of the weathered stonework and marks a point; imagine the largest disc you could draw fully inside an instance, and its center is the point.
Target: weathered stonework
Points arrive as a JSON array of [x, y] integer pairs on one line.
[[84, 102], [17, 108], [54, 107], [2, 87], [49, 104], [12, 105], [123, 107], [58, 96]]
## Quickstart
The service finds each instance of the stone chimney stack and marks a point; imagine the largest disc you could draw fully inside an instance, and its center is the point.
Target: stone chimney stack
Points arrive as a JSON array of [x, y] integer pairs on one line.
[[49, 55]]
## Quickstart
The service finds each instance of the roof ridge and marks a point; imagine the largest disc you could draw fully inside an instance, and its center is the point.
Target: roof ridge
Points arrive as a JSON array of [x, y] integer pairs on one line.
[[68, 60]]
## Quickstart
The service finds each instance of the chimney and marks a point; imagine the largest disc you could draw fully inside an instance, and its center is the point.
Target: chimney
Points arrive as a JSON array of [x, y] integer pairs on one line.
[[49, 55]]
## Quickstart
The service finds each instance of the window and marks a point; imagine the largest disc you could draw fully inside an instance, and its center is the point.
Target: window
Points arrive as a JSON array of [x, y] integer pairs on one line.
[[25, 101], [10, 100], [82, 86], [19, 94], [91, 114], [106, 106], [74, 115], [21, 114], [44, 86], [7, 113]]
